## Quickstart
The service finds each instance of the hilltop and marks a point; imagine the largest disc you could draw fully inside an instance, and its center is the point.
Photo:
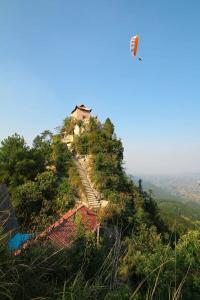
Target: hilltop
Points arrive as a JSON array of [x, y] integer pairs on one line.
[[57, 186]]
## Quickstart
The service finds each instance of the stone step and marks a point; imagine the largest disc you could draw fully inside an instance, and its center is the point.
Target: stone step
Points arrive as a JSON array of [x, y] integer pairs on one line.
[[88, 188], [93, 200], [91, 195], [93, 203], [86, 184], [85, 180]]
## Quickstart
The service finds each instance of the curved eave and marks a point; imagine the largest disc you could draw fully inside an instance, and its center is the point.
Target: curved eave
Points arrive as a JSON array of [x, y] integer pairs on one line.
[[81, 108]]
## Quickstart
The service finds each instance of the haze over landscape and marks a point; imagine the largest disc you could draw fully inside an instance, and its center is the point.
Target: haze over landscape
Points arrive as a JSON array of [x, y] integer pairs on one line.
[[55, 56]]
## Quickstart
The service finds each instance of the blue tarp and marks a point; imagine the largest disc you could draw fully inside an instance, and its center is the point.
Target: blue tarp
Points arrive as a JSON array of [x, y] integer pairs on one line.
[[19, 239]]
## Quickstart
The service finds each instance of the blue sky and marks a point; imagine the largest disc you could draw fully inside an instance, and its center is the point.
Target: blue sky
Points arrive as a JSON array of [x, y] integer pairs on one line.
[[56, 54]]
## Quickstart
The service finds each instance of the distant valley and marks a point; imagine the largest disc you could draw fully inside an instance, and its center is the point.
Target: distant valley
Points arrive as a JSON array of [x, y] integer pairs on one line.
[[178, 198], [185, 187]]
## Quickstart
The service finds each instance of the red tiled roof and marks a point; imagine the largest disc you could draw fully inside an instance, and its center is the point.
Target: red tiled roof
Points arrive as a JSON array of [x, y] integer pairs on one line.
[[64, 231]]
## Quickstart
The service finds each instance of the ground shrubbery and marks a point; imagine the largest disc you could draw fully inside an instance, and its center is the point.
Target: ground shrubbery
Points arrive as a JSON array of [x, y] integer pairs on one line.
[[136, 256], [138, 266]]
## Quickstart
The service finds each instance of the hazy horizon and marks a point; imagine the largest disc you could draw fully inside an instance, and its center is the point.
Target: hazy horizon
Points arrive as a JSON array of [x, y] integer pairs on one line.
[[55, 55]]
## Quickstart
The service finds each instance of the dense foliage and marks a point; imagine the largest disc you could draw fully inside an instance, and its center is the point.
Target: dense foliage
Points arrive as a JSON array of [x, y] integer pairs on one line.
[[39, 178], [136, 257], [19, 163]]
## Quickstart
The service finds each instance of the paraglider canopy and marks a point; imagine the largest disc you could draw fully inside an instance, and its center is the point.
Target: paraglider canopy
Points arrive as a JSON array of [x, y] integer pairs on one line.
[[134, 46]]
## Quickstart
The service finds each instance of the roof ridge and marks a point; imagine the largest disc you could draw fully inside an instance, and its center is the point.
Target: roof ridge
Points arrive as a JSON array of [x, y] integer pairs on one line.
[[59, 222], [81, 107]]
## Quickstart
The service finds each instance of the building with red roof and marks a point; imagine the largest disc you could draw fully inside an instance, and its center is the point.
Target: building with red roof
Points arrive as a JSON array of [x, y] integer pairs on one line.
[[64, 231]]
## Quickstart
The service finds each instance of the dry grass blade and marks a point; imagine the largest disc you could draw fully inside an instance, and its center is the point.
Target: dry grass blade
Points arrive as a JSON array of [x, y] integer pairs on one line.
[[178, 291], [145, 279]]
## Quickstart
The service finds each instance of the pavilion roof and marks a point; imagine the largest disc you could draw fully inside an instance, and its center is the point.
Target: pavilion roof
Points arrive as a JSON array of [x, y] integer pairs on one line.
[[81, 107]]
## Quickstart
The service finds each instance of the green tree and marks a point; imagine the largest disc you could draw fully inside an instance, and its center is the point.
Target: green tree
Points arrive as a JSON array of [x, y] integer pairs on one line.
[[47, 184], [68, 126], [61, 158], [108, 127], [28, 201], [18, 163], [34, 201], [42, 143], [65, 198], [81, 144]]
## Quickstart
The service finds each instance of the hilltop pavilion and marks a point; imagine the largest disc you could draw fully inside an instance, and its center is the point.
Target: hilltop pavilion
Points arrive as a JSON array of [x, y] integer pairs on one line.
[[81, 112]]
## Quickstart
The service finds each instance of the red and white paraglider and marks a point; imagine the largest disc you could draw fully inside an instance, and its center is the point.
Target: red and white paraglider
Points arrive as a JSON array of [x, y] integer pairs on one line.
[[134, 46]]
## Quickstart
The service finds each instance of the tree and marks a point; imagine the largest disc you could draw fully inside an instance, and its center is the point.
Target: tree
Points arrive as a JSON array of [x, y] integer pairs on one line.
[[108, 127], [140, 186], [82, 144], [18, 163], [60, 158], [28, 201], [68, 126], [65, 198], [47, 184], [42, 143], [34, 200], [94, 125]]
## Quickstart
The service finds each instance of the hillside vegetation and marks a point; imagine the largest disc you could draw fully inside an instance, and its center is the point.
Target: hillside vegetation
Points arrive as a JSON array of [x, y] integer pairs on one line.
[[136, 257], [186, 214], [174, 208]]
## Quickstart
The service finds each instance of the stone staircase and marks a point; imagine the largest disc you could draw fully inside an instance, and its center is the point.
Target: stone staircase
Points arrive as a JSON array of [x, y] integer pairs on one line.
[[93, 199]]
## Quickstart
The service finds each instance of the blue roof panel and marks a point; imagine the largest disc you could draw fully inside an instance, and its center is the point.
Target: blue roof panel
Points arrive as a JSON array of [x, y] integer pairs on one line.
[[18, 240]]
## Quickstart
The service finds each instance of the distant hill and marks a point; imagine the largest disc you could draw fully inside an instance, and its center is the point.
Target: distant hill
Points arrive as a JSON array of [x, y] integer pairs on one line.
[[172, 206], [185, 186], [158, 191], [185, 214]]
